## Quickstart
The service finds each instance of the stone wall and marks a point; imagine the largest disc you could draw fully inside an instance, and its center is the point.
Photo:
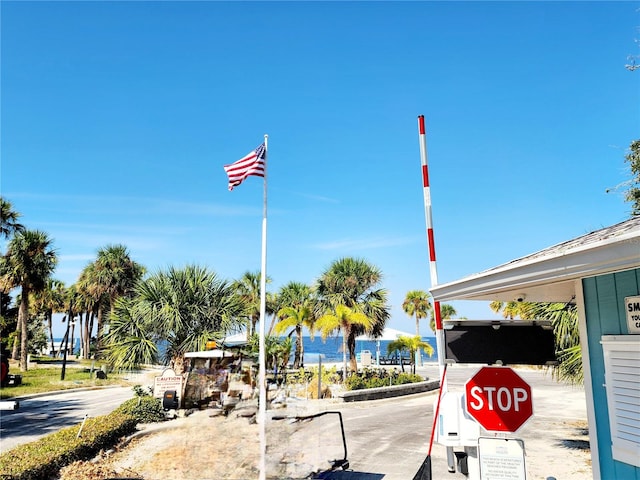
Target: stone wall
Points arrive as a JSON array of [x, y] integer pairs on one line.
[[388, 392]]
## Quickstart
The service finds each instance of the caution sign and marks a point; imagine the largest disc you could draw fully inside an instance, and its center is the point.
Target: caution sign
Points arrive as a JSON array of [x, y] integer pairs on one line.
[[501, 459], [167, 381], [632, 307]]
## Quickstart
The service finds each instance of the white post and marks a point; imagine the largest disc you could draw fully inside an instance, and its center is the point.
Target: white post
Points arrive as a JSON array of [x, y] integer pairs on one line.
[[262, 378], [430, 239], [440, 348]]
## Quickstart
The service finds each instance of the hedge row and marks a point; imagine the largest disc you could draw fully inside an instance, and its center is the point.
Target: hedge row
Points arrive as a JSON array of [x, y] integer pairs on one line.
[[45, 457], [370, 378]]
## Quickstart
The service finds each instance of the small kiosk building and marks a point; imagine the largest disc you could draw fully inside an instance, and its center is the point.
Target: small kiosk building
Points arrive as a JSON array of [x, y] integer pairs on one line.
[[600, 271]]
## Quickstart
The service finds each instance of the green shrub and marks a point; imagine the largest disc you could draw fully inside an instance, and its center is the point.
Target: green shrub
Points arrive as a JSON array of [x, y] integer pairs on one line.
[[140, 391], [408, 378], [145, 409], [45, 457], [355, 382], [305, 375], [373, 378]]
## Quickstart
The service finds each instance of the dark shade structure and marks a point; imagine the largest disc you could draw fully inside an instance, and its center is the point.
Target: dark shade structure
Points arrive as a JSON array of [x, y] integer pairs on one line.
[[499, 342]]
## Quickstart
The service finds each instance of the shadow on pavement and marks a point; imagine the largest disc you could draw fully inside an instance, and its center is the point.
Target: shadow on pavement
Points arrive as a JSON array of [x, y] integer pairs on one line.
[[348, 475]]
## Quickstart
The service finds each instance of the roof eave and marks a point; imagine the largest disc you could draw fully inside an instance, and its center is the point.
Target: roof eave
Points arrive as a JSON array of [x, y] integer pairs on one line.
[[544, 278]]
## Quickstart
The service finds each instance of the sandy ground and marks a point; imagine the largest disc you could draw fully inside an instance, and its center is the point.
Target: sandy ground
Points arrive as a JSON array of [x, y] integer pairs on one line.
[[197, 447], [207, 445], [202, 447]]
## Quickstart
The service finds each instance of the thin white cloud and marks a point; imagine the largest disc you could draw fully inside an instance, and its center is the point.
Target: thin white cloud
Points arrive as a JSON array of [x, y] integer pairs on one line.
[[319, 198]]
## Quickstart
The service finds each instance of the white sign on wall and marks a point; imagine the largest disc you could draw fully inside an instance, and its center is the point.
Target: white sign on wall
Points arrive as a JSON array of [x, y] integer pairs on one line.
[[632, 308]]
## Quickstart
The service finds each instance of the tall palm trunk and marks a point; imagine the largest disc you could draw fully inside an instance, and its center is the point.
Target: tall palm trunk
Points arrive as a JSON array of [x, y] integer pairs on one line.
[[414, 357], [88, 326], [50, 325], [93, 318], [344, 355], [300, 345], [81, 334], [298, 359], [99, 332], [417, 358], [273, 323], [254, 322], [353, 361], [23, 314], [73, 337], [178, 364], [16, 340]]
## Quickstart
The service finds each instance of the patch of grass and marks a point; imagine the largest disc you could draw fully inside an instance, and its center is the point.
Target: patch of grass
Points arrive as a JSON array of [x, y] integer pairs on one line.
[[42, 379], [44, 458]]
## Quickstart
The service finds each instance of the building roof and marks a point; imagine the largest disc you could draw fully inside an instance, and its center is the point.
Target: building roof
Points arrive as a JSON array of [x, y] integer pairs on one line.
[[209, 354], [550, 275], [387, 334]]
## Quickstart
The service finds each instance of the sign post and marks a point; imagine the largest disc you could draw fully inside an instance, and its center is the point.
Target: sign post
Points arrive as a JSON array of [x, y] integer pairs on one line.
[[498, 399]]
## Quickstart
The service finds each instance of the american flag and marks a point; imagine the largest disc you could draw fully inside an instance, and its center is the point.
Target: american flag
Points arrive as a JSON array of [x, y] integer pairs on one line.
[[251, 164]]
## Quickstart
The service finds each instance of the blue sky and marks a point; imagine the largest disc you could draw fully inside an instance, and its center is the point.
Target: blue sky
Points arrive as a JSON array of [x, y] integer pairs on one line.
[[117, 118]]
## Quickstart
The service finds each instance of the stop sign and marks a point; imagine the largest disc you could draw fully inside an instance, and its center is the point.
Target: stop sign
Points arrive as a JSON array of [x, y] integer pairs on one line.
[[499, 399]]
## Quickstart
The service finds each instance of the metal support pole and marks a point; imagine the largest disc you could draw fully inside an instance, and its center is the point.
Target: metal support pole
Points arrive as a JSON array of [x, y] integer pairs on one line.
[[319, 376]]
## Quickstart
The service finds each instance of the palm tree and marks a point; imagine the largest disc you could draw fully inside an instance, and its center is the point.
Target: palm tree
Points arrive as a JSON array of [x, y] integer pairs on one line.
[[112, 274], [509, 310], [248, 287], [564, 320], [417, 304], [187, 307], [272, 307], [93, 298], [9, 219], [276, 350], [346, 320], [296, 312], [130, 342], [75, 304], [411, 345], [48, 301], [353, 283], [446, 311], [28, 263], [8, 226]]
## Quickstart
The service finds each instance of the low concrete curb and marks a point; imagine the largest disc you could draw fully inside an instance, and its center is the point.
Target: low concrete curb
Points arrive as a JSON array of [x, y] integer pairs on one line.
[[388, 392]]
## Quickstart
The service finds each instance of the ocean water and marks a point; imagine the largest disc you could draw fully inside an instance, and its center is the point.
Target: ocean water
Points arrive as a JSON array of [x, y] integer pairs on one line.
[[332, 348], [75, 343]]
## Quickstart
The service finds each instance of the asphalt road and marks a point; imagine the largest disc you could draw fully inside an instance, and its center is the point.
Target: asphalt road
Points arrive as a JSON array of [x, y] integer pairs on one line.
[[42, 415], [388, 439]]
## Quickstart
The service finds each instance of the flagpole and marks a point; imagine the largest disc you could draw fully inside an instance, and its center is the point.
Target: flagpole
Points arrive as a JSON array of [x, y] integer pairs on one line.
[[262, 378]]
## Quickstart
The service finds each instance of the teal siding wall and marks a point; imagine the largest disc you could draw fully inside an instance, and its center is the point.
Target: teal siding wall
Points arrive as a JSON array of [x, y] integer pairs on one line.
[[605, 315]]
